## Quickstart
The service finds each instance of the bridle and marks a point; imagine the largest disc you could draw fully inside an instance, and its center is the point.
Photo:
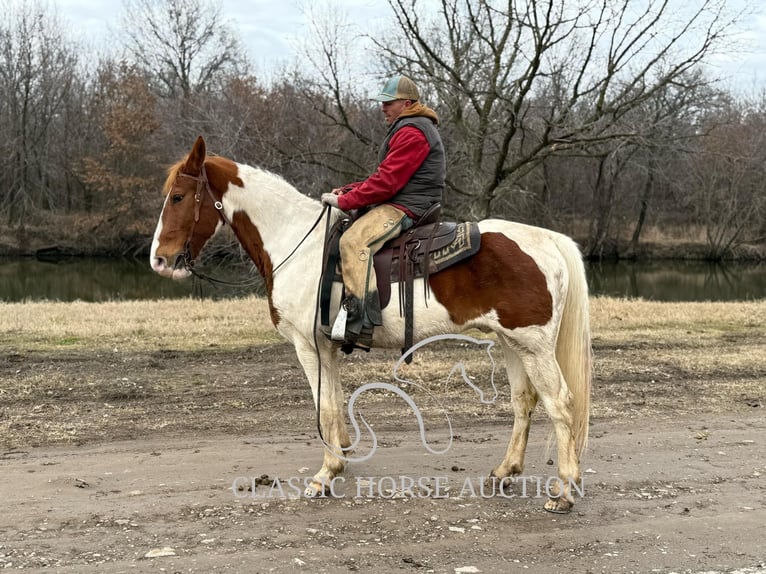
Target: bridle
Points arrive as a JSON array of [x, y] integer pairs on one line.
[[204, 183]]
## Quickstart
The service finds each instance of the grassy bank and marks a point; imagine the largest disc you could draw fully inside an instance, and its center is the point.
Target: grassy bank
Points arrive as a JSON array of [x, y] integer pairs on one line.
[[182, 324], [93, 372], [187, 324]]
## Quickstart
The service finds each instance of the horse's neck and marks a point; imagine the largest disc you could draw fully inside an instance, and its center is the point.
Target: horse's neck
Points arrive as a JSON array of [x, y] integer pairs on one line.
[[280, 212]]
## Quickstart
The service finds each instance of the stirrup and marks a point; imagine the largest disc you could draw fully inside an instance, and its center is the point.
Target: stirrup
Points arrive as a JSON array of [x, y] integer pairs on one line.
[[339, 327], [362, 341], [350, 318]]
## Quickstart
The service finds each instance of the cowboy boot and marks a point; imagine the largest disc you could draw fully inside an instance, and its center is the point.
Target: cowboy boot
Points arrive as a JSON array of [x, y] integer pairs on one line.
[[353, 326], [372, 308], [372, 317]]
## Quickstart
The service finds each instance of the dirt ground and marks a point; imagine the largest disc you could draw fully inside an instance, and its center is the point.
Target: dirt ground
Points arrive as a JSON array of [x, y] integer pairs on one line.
[[136, 461]]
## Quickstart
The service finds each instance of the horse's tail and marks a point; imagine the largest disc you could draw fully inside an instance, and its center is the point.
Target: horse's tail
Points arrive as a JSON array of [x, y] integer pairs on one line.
[[573, 346]]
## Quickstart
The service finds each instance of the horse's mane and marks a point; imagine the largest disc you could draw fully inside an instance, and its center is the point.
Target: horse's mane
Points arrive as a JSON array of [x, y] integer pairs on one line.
[[172, 175], [174, 170]]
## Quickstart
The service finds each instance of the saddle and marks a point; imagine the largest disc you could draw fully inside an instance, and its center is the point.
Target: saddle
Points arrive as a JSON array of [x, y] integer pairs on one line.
[[428, 247]]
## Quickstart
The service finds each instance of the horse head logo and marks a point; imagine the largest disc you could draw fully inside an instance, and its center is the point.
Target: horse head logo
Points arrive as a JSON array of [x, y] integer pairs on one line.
[[458, 367]]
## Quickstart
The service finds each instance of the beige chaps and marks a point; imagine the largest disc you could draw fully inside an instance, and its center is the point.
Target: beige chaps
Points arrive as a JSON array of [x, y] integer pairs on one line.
[[359, 244]]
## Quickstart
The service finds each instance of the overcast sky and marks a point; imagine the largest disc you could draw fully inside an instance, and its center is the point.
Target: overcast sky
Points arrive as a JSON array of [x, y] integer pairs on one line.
[[271, 29]]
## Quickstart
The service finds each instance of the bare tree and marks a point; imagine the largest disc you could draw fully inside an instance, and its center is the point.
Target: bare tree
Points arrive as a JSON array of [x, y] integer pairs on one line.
[[331, 101], [657, 134], [519, 81], [674, 115], [725, 183], [185, 44], [37, 71]]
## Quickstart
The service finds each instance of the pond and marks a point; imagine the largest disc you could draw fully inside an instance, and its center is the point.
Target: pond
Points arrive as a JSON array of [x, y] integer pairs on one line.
[[89, 279], [679, 280]]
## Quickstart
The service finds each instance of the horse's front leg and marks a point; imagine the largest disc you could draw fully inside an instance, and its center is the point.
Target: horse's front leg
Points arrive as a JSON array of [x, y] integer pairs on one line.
[[328, 398]]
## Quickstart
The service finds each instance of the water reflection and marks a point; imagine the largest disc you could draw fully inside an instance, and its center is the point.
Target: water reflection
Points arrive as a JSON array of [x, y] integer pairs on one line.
[[678, 280], [89, 279]]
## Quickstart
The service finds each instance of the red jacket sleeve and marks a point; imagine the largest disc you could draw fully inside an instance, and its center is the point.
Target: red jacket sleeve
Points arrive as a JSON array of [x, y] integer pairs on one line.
[[406, 152]]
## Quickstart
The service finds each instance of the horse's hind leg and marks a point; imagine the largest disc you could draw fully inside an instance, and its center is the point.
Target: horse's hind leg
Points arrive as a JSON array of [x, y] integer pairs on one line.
[[546, 378], [524, 399]]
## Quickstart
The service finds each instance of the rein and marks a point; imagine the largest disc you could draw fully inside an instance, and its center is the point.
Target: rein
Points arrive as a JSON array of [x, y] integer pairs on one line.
[[313, 227], [203, 182]]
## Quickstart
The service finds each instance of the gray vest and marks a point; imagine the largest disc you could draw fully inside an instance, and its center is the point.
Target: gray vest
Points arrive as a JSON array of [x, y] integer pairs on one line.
[[426, 186]]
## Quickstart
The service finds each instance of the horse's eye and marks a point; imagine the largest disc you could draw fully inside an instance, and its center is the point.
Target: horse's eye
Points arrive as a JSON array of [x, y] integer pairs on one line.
[[177, 198]]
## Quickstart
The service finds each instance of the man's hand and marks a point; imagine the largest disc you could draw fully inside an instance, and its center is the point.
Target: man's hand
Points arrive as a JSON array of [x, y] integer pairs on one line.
[[343, 190], [330, 199]]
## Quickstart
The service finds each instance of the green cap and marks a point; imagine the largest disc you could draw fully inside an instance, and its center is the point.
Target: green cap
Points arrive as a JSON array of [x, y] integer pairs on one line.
[[399, 88]]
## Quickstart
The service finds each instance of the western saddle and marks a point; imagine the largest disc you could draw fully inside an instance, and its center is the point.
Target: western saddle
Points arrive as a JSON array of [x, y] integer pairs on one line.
[[428, 247]]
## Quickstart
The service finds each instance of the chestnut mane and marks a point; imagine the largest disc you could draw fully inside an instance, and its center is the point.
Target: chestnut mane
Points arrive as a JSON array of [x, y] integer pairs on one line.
[[172, 176]]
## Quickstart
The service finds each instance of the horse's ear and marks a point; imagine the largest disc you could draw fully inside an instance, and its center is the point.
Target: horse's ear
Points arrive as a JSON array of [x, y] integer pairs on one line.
[[196, 157]]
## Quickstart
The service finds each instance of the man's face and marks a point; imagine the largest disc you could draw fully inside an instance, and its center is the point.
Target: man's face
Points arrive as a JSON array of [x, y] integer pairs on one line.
[[392, 109]]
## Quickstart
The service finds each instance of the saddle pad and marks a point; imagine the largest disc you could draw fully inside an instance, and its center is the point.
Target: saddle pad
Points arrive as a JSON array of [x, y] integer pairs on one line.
[[466, 243], [425, 250], [424, 257]]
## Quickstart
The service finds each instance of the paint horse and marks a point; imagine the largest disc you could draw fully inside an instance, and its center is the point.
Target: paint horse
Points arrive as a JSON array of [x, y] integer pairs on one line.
[[525, 284]]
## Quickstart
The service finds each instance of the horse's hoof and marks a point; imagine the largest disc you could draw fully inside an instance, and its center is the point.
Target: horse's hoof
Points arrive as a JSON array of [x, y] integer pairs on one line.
[[310, 492], [558, 506], [315, 490], [495, 484], [491, 481]]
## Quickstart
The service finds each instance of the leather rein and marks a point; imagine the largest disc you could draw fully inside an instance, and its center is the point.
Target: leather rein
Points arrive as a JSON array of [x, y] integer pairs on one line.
[[204, 183]]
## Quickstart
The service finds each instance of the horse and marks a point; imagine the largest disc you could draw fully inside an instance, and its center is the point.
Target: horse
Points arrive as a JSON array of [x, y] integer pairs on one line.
[[526, 284]]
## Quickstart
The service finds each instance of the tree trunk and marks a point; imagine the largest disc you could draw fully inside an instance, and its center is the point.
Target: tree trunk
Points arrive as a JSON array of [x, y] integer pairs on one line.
[[644, 203]]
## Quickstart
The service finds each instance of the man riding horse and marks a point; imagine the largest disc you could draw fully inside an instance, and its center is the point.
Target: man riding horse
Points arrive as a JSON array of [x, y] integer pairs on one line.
[[408, 181]]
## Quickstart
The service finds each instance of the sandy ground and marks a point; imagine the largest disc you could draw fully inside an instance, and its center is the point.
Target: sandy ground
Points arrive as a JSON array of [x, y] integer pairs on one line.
[[142, 462]]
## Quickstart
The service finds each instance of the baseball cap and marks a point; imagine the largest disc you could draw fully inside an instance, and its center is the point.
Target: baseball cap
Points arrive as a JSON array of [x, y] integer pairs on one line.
[[398, 88]]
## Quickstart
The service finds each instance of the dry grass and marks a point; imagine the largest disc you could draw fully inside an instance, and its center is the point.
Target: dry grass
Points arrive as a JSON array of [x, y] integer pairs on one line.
[[136, 325], [693, 335], [191, 323], [637, 313], [79, 372]]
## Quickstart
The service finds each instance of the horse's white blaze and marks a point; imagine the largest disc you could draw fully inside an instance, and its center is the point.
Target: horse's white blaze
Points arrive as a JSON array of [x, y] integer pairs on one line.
[[159, 264]]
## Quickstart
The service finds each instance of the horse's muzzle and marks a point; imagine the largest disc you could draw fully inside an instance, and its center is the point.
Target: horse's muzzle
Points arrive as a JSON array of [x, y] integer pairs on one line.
[[178, 270]]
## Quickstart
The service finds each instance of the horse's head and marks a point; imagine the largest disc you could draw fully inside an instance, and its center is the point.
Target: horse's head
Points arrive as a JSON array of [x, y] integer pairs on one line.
[[190, 216]]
